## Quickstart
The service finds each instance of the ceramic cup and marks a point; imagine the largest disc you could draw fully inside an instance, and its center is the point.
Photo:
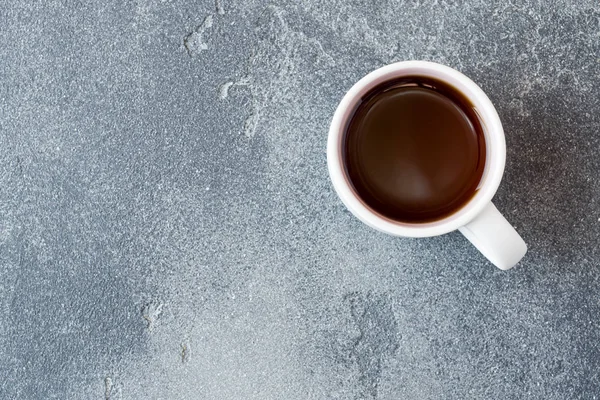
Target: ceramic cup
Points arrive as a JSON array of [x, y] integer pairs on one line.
[[478, 220]]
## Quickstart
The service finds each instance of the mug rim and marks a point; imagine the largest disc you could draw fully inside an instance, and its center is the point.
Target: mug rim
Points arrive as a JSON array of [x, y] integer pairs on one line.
[[494, 141]]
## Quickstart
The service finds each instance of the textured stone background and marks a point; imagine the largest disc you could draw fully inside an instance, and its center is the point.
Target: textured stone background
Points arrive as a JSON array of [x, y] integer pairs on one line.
[[168, 229]]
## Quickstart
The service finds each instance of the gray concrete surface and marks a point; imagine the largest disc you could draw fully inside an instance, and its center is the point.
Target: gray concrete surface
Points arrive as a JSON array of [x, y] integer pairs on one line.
[[168, 229]]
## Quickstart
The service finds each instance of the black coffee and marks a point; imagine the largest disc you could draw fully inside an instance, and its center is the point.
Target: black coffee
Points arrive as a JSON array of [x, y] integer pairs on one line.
[[414, 149]]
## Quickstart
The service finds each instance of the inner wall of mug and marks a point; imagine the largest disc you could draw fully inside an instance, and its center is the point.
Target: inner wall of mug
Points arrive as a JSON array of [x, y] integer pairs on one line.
[[494, 145]]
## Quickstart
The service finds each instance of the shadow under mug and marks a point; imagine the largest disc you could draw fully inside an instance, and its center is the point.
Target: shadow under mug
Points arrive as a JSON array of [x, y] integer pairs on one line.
[[478, 220]]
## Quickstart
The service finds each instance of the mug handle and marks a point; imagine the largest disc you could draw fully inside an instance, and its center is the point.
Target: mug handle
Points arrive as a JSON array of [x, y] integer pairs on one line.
[[495, 238]]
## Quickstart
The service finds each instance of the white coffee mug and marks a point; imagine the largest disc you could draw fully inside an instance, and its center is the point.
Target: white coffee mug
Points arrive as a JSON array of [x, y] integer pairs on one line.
[[478, 220]]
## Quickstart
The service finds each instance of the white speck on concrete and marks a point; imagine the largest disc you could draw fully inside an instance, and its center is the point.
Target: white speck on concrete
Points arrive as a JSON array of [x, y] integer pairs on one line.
[[224, 90]]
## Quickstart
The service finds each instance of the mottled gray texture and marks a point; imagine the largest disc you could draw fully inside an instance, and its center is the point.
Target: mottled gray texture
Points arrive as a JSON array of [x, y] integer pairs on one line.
[[168, 229]]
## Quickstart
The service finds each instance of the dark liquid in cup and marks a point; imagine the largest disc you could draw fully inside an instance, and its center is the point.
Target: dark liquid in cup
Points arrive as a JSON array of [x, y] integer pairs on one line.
[[414, 150]]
